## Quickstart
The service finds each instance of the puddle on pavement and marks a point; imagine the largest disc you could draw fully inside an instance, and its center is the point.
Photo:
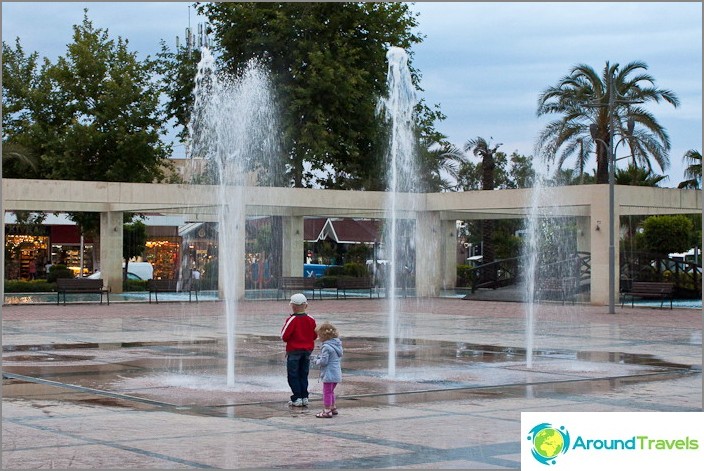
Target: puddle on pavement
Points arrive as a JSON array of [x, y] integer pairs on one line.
[[190, 377]]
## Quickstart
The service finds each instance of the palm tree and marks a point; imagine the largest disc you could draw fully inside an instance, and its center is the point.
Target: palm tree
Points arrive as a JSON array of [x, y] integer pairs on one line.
[[693, 172], [483, 149], [637, 176], [17, 154], [582, 99], [442, 162]]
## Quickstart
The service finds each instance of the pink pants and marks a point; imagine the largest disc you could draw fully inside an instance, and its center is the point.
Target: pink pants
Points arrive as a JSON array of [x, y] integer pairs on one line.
[[329, 394]]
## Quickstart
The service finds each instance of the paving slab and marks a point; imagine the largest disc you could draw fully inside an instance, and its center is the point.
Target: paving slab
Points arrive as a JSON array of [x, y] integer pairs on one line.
[[142, 386]]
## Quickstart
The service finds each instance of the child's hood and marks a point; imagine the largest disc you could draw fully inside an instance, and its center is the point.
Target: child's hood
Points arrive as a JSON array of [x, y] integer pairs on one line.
[[335, 344]]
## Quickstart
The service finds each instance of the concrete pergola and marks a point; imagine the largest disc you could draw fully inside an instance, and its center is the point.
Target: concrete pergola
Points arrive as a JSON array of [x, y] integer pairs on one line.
[[435, 214]]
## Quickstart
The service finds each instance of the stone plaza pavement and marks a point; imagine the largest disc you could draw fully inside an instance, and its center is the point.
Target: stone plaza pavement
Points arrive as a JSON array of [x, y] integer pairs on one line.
[[62, 409]]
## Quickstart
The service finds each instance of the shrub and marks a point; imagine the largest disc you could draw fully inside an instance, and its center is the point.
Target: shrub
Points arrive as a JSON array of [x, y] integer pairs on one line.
[[336, 270], [355, 269], [58, 271], [465, 274], [326, 282], [33, 286], [134, 285]]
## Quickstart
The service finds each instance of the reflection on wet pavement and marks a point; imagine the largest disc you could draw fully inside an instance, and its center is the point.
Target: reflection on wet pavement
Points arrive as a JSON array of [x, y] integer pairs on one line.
[[188, 376]]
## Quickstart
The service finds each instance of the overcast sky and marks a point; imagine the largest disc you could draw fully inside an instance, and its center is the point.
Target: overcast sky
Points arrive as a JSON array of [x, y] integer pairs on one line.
[[484, 63]]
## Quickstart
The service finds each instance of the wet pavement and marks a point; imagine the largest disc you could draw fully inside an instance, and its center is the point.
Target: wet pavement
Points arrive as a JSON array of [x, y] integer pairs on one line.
[[137, 385]]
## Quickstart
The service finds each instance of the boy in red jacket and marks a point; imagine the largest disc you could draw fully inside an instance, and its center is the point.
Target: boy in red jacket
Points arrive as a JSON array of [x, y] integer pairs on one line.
[[299, 334]]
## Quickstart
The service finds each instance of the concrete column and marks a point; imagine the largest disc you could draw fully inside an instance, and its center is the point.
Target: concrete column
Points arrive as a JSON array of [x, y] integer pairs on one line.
[[292, 246], [111, 250], [430, 240], [449, 252], [599, 247], [231, 249]]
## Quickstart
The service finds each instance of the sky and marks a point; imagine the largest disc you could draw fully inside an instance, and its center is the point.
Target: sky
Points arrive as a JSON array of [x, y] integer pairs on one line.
[[485, 64]]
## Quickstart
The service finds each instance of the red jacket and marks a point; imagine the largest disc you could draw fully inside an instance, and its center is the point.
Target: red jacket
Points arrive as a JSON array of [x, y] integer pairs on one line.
[[299, 332]]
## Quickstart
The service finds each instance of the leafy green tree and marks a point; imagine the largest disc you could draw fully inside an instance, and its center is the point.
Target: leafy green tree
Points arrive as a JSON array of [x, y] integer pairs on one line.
[[582, 98], [521, 173], [693, 172], [93, 115], [177, 70], [514, 171], [134, 242], [329, 66], [667, 234], [437, 168]]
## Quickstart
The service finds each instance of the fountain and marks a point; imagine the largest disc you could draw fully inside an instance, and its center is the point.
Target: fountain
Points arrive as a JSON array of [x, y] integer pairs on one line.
[[397, 109], [549, 253], [120, 357], [234, 129]]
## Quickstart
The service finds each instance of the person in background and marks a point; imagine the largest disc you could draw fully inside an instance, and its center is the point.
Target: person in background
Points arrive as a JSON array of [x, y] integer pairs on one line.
[[32, 267], [299, 335]]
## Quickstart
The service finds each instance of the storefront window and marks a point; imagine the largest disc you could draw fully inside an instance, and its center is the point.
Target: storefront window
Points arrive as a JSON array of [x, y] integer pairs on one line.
[[26, 256], [164, 255], [70, 255]]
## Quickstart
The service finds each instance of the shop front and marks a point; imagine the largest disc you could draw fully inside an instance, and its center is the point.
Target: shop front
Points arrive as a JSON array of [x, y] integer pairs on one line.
[[26, 251], [163, 251], [66, 248]]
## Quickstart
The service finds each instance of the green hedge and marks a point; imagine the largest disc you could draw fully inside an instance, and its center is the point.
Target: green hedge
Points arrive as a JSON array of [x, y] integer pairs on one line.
[[348, 269], [134, 285], [43, 286], [33, 286], [326, 282]]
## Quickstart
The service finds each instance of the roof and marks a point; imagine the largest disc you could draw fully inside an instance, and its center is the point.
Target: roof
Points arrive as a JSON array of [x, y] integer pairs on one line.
[[342, 231]]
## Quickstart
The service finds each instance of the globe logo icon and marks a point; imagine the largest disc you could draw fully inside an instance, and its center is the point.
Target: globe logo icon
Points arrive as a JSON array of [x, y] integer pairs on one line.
[[548, 442]]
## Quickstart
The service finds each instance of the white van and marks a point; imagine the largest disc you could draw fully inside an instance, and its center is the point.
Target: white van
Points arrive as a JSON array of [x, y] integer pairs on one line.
[[135, 271]]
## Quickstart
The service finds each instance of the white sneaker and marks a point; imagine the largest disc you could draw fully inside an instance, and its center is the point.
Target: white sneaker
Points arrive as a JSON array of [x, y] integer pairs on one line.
[[296, 403], [305, 401]]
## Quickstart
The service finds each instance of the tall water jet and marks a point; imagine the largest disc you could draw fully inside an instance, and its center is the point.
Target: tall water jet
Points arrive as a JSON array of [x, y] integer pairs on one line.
[[531, 248], [551, 261], [402, 176], [234, 128]]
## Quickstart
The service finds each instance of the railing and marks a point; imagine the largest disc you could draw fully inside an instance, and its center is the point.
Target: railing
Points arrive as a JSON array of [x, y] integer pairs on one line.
[[510, 271], [686, 276], [643, 266]]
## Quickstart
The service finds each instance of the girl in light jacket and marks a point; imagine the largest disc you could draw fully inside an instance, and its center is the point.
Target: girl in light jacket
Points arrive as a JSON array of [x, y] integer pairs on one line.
[[330, 368]]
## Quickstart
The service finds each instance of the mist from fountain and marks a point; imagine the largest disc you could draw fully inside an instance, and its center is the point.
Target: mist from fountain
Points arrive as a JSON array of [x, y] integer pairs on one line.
[[234, 129], [402, 176]]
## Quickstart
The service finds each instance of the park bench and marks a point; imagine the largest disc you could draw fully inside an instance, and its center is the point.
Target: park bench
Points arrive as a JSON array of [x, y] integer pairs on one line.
[[170, 286], [661, 290], [297, 284], [345, 283], [560, 288], [80, 286]]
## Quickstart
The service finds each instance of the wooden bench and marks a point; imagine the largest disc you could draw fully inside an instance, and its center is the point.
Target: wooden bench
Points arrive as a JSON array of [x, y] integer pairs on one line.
[[345, 283], [170, 286], [297, 283], [661, 290], [80, 286]]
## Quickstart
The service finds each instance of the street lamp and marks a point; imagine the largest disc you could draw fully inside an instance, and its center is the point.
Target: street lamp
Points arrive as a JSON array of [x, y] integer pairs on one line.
[[612, 167]]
